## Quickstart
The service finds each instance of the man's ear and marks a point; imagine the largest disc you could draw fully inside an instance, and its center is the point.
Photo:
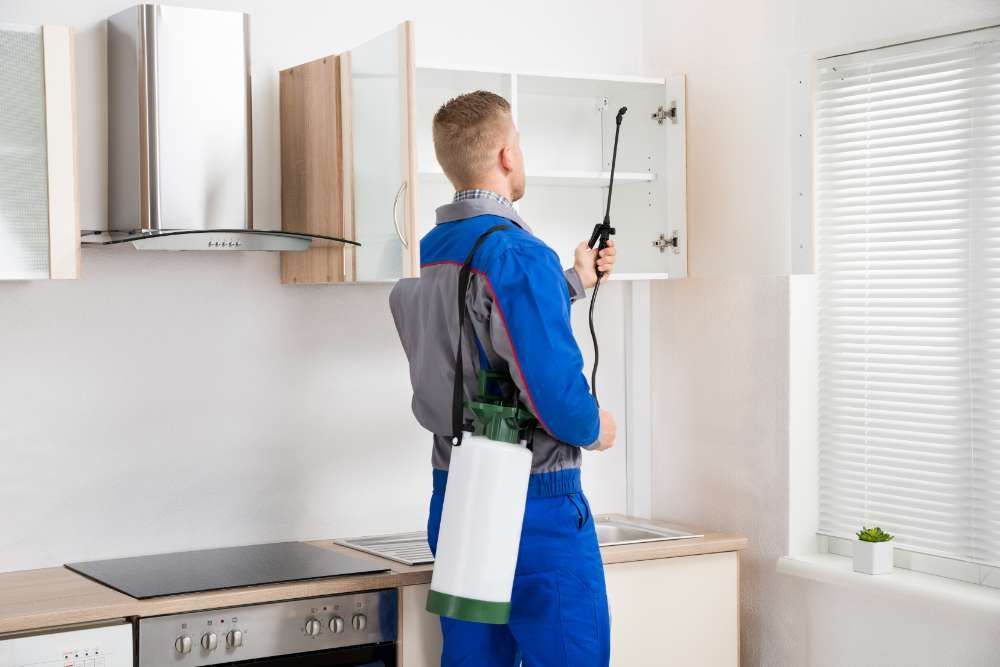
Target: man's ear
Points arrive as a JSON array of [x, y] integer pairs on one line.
[[507, 159]]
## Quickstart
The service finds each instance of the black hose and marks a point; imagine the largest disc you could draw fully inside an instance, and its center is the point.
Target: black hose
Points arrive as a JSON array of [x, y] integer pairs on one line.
[[597, 351], [598, 241]]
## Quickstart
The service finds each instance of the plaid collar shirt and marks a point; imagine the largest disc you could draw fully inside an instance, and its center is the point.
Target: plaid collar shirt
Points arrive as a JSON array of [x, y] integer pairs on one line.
[[483, 194]]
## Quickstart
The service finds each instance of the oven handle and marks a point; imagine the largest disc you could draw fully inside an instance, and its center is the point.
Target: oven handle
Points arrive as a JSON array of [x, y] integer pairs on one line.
[[368, 655]]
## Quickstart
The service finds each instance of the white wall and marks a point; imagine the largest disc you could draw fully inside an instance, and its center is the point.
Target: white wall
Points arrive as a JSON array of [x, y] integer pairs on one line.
[[848, 627], [180, 401], [721, 337]]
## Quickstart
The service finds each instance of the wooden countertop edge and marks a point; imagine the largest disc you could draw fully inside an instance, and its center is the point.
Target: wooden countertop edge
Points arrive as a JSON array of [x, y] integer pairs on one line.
[[712, 543], [50, 597]]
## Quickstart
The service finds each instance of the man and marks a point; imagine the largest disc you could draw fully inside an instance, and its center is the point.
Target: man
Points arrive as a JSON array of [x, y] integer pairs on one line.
[[519, 304]]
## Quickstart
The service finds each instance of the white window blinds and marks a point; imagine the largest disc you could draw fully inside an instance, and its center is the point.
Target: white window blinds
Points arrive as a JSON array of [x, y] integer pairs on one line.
[[908, 273]]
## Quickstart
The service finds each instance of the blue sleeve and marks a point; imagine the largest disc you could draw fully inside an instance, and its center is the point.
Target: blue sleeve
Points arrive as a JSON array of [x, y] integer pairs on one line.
[[531, 331]]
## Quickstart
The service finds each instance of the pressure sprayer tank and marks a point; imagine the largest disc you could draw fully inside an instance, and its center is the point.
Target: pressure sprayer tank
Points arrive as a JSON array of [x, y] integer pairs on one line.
[[483, 512]]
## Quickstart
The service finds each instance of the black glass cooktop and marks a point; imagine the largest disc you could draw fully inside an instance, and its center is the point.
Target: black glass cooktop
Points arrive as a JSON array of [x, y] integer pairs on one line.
[[194, 571]]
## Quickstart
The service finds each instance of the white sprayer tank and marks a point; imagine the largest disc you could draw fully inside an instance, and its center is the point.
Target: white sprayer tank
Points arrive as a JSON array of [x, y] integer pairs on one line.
[[480, 530]]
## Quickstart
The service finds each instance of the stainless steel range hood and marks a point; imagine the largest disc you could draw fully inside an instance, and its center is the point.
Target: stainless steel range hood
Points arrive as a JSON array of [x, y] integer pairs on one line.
[[180, 171]]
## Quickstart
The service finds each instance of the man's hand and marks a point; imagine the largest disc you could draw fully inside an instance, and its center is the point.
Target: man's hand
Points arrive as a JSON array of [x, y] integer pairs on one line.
[[608, 432], [584, 263]]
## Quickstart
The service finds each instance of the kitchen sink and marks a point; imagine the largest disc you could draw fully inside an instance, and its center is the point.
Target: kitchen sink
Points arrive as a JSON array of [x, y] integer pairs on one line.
[[612, 531], [405, 548], [412, 548]]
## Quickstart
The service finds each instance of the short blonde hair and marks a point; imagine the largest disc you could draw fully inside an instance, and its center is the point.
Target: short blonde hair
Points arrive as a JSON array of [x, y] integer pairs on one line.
[[468, 132]]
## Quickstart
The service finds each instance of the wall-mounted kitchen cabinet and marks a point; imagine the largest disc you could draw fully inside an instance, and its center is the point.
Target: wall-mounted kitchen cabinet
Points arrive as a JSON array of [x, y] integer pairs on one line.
[[356, 142], [567, 126], [348, 167], [39, 194]]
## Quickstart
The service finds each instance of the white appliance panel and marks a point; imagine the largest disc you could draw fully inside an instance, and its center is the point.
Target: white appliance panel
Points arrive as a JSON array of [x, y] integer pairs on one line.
[[104, 646]]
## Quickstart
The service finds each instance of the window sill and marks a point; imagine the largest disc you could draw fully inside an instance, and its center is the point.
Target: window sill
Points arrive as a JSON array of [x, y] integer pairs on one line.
[[839, 570]]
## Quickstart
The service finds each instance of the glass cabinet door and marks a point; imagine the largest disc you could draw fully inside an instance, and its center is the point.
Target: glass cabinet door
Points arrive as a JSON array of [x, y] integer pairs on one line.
[[39, 195], [24, 215], [379, 80]]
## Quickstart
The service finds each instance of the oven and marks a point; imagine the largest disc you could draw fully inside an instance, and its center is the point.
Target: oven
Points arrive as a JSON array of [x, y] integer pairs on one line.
[[350, 630]]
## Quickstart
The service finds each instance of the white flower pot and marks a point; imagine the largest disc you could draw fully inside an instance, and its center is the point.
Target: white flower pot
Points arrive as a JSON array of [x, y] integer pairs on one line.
[[873, 557]]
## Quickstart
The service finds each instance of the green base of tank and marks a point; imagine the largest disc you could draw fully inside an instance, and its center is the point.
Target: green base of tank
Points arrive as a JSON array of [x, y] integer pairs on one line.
[[467, 609]]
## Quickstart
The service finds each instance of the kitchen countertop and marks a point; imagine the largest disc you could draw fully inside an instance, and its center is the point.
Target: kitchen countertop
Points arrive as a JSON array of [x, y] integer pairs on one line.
[[33, 599]]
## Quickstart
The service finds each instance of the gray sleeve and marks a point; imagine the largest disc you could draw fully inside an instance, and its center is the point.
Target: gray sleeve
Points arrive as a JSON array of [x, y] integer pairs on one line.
[[576, 290]]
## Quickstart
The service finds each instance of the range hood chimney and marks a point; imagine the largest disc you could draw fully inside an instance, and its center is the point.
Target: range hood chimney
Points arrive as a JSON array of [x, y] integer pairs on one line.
[[179, 134]]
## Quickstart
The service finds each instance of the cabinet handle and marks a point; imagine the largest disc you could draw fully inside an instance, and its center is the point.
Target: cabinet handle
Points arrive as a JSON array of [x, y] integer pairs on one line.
[[395, 222]]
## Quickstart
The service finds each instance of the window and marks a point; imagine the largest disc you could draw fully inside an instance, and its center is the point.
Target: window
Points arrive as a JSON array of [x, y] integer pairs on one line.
[[908, 274]]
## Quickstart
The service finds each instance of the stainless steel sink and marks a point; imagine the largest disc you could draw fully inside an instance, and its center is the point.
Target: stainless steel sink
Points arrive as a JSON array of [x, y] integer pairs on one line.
[[405, 548], [612, 531], [412, 548]]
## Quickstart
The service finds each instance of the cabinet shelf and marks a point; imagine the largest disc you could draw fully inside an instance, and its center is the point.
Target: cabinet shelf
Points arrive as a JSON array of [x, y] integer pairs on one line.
[[581, 179]]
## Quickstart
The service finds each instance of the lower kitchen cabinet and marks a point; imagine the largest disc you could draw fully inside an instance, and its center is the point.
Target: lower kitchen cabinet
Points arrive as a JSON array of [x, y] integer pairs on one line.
[[419, 630], [675, 611], [670, 611]]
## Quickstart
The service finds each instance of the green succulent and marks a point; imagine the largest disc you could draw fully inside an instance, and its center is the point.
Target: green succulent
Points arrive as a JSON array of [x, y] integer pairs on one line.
[[875, 534]]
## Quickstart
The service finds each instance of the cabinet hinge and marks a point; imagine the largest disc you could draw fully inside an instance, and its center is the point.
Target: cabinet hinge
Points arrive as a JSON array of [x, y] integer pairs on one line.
[[662, 113], [663, 243]]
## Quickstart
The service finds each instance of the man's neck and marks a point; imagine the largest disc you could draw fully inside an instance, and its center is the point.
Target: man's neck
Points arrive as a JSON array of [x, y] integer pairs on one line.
[[499, 186], [482, 193]]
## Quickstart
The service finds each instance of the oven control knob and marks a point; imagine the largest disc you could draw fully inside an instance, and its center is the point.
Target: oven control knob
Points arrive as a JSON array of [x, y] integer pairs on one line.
[[312, 627], [234, 639], [183, 644], [210, 641], [336, 625], [359, 621]]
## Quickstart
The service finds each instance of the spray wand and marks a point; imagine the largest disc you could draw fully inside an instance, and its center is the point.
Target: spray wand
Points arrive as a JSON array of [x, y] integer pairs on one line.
[[599, 238]]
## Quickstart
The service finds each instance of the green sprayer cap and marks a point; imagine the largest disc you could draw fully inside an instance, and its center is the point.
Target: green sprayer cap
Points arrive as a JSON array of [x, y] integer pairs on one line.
[[496, 418]]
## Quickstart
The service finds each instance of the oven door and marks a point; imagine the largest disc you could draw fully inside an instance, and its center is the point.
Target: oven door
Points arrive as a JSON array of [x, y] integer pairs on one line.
[[369, 655]]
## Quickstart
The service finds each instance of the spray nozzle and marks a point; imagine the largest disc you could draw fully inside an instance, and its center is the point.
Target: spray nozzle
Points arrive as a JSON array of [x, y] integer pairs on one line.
[[621, 112]]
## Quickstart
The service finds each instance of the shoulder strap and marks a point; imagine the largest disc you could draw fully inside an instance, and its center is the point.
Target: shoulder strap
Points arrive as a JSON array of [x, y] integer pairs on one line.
[[458, 393]]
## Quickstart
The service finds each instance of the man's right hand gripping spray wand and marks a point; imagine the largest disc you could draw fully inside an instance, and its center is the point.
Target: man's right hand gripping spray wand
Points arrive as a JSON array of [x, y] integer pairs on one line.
[[599, 240]]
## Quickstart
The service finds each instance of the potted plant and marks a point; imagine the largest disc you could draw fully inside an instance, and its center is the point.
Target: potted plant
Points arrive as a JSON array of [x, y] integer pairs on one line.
[[873, 551]]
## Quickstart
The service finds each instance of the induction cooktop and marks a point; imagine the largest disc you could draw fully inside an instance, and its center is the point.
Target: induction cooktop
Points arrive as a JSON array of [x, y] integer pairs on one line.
[[231, 567]]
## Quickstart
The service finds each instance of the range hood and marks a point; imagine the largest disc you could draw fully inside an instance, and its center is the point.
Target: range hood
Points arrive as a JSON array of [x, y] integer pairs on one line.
[[180, 173]]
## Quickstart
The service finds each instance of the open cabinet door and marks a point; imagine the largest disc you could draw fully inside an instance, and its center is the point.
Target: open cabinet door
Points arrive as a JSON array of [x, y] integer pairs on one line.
[[649, 215], [314, 181], [379, 80], [676, 172], [348, 165]]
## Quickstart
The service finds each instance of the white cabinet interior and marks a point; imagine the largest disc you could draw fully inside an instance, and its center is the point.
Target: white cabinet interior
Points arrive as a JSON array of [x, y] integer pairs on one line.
[[39, 195], [567, 131]]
